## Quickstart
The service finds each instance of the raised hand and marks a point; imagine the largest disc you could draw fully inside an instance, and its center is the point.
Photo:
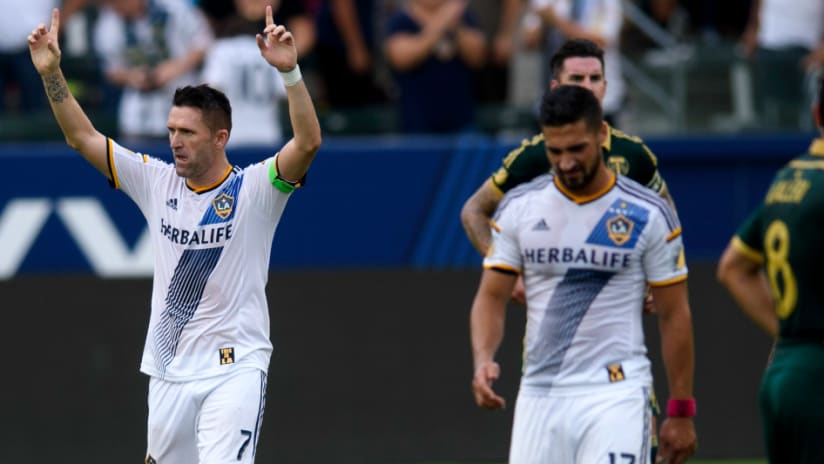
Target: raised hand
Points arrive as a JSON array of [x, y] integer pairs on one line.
[[278, 45], [43, 46]]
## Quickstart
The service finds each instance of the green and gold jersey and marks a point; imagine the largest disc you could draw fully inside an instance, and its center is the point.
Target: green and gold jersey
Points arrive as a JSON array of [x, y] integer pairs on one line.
[[625, 154], [785, 235]]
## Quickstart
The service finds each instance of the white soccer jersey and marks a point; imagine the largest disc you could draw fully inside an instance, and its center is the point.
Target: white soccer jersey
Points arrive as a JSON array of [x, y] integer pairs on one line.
[[254, 87], [586, 263], [211, 262]]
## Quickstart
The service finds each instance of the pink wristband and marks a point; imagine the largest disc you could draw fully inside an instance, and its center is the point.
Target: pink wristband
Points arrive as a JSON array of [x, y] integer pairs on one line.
[[681, 408]]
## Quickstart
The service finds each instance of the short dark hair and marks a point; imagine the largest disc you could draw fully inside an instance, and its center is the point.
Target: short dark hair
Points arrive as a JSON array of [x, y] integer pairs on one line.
[[568, 104], [217, 112], [575, 48]]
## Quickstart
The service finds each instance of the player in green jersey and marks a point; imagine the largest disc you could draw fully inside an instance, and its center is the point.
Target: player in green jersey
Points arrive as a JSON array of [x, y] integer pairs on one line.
[[772, 269]]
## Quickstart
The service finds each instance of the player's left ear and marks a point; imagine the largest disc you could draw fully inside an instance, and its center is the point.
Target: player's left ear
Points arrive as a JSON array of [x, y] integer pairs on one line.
[[819, 123], [221, 138], [603, 133]]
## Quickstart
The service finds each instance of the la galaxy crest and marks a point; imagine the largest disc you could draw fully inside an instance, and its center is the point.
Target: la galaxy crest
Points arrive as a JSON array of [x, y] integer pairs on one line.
[[223, 205], [620, 226], [619, 229]]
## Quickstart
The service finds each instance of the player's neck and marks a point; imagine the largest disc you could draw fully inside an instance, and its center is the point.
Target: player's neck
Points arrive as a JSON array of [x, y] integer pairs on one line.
[[211, 178], [603, 181]]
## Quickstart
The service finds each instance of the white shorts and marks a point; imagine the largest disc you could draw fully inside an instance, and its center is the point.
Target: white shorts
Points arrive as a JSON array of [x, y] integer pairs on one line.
[[609, 426], [210, 421]]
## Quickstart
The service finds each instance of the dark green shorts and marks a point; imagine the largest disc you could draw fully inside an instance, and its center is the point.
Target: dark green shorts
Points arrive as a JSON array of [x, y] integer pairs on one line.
[[792, 404]]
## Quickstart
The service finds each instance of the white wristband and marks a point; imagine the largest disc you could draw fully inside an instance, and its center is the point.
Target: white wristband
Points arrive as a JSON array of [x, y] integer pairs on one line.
[[292, 77]]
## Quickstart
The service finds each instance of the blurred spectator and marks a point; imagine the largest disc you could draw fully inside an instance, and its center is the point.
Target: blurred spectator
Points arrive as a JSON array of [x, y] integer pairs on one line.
[[224, 14], [669, 14], [498, 19], [781, 38], [433, 47], [20, 85], [150, 47], [597, 20], [255, 88], [346, 53]]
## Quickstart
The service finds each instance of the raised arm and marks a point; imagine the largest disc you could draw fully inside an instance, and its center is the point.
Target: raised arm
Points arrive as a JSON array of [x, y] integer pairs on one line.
[[278, 49], [78, 130]]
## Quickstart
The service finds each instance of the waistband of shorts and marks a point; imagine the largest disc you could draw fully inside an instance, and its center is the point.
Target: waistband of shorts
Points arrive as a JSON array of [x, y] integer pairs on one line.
[[583, 389]]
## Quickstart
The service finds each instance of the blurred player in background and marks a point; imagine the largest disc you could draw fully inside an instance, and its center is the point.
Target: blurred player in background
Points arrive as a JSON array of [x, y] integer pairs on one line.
[[149, 48], [597, 20], [771, 268], [587, 243], [207, 350], [255, 89]]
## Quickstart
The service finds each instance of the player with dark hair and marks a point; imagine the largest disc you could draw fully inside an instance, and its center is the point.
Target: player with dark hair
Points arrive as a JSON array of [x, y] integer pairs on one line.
[[587, 243], [207, 349], [771, 269], [577, 62]]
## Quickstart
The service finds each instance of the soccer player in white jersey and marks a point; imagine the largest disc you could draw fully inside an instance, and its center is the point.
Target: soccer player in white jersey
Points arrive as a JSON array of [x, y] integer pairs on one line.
[[207, 349], [587, 244]]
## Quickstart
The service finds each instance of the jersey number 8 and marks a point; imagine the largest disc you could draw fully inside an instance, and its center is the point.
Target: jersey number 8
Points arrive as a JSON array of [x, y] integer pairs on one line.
[[779, 271]]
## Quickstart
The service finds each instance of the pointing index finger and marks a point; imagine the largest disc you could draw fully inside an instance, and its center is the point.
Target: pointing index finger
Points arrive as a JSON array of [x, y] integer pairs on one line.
[[269, 19], [55, 21]]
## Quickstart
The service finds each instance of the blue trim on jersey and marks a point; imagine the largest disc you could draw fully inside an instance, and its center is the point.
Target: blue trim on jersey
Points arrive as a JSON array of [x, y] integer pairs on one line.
[[261, 407], [639, 191], [622, 217], [226, 199], [645, 442], [182, 298], [564, 313]]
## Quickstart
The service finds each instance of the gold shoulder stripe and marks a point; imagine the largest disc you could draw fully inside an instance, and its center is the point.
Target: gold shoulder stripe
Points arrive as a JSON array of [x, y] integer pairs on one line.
[[623, 135], [526, 143], [650, 154], [112, 169], [747, 250], [502, 267], [674, 234], [807, 164], [817, 147], [665, 283]]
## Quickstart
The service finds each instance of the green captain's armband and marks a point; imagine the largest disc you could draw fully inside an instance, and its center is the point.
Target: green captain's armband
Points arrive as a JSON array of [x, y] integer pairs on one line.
[[280, 183]]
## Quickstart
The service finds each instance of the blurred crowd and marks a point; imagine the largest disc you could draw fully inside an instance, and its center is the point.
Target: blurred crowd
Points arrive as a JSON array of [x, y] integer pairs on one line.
[[429, 65]]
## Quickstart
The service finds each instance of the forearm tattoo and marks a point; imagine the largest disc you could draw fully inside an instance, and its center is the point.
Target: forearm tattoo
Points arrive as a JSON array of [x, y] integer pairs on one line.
[[56, 88]]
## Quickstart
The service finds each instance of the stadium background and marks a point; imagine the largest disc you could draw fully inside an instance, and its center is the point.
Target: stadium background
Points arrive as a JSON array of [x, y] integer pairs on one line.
[[371, 278], [370, 290]]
